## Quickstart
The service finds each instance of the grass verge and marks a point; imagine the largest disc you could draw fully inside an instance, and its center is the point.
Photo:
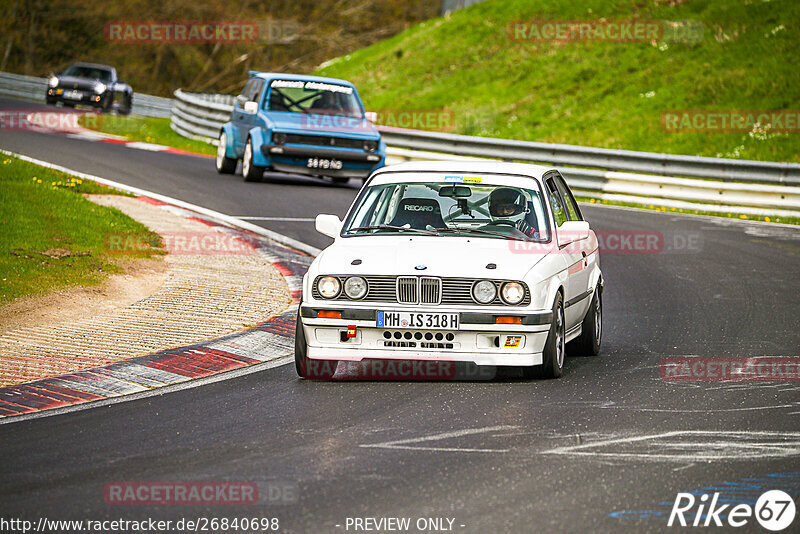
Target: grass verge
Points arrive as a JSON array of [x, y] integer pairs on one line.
[[154, 130], [52, 237]]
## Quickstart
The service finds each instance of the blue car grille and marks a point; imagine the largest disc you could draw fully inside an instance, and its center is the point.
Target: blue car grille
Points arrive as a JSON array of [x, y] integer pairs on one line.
[[324, 140]]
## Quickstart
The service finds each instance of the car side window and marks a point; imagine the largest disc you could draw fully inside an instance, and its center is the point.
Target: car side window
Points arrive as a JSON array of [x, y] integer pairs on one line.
[[244, 96], [569, 201], [559, 214], [255, 91]]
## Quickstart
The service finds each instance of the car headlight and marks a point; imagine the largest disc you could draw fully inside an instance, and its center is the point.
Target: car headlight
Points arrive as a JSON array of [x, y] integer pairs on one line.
[[279, 138], [355, 287], [370, 146], [329, 287], [484, 292], [99, 88], [512, 292], [53, 82]]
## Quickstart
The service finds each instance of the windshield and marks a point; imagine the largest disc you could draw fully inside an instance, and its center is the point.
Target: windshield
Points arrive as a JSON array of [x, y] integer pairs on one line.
[[92, 73], [314, 97], [450, 209]]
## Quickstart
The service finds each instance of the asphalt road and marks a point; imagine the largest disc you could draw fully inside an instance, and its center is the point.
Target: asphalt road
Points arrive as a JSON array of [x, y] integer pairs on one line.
[[604, 449]]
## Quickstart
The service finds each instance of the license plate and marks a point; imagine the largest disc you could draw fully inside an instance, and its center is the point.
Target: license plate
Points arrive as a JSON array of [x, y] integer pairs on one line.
[[417, 320], [73, 95], [320, 163]]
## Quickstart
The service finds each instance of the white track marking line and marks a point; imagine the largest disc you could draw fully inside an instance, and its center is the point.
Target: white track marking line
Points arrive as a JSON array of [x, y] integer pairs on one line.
[[292, 219], [406, 443]]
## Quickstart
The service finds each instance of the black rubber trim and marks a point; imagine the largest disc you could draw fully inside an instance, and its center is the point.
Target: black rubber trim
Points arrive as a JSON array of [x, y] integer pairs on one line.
[[577, 299], [532, 319], [311, 152], [349, 314]]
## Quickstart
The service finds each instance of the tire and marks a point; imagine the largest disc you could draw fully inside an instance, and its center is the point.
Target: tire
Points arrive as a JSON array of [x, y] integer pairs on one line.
[[127, 105], [554, 348], [588, 343], [107, 103], [251, 173], [305, 367], [225, 165]]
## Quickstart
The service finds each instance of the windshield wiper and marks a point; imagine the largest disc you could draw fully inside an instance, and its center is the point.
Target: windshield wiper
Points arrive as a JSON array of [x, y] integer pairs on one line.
[[479, 231], [390, 227]]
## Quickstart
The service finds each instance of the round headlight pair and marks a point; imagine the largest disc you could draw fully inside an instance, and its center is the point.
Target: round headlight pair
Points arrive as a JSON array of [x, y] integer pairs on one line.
[[485, 291], [355, 287]]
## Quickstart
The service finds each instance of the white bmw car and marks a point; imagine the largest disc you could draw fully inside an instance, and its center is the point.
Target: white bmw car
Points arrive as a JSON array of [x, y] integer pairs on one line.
[[482, 262]]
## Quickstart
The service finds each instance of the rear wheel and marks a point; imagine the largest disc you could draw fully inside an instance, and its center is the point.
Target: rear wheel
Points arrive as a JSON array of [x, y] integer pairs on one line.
[[306, 367], [225, 165], [251, 173], [588, 343], [554, 348]]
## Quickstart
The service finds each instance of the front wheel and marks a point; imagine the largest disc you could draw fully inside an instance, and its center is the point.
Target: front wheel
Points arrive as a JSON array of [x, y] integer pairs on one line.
[[554, 348], [251, 172], [126, 105], [307, 368], [225, 165]]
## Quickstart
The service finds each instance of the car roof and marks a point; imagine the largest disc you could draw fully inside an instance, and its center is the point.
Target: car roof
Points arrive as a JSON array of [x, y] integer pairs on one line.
[[92, 65], [467, 167], [269, 76]]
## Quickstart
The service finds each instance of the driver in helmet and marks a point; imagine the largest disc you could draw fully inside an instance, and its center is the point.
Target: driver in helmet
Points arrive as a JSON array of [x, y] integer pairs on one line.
[[506, 204]]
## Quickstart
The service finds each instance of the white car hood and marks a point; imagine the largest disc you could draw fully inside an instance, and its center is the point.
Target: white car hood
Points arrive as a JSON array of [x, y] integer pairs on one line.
[[441, 256]]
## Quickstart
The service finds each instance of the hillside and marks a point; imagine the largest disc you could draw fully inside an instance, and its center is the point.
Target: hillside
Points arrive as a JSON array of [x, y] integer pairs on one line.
[[590, 92]]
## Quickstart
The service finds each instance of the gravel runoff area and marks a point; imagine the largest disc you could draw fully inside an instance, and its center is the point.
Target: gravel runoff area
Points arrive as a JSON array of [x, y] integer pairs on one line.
[[215, 284]]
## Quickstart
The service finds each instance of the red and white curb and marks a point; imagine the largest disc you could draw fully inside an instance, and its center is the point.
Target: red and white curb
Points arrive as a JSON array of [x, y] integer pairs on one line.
[[265, 345]]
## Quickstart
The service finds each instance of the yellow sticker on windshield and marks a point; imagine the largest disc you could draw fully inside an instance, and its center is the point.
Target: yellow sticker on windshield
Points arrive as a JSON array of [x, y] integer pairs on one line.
[[472, 179]]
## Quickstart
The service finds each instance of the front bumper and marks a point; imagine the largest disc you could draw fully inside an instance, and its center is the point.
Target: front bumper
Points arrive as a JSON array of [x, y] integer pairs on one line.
[[294, 159], [478, 340], [87, 98]]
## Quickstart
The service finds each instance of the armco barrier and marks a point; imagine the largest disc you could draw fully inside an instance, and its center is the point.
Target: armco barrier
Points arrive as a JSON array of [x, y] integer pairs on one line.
[[31, 88], [769, 188]]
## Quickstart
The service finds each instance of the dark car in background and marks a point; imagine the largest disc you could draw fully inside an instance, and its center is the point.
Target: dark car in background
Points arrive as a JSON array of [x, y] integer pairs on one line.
[[90, 84]]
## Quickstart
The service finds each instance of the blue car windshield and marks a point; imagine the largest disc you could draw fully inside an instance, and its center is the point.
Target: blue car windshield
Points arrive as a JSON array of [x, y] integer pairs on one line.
[[314, 98]]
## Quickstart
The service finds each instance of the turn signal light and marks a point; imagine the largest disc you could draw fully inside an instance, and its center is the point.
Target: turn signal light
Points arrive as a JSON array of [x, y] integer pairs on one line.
[[508, 320], [328, 314]]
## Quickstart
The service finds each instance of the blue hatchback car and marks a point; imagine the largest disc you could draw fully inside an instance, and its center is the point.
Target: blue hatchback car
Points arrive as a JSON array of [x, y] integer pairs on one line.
[[299, 124]]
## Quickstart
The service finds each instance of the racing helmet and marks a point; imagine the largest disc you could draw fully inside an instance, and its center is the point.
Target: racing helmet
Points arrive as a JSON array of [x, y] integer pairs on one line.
[[506, 202]]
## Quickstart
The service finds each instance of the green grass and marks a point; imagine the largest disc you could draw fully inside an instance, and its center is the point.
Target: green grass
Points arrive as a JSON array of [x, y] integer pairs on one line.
[[52, 237], [149, 130], [597, 94], [724, 214]]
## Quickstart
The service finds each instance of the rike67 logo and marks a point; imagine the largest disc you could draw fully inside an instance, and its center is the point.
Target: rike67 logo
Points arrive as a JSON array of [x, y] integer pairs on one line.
[[774, 510]]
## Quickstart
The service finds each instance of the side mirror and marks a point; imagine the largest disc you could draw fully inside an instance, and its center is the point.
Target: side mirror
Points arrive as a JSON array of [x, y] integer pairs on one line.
[[250, 107], [371, 116], [572, 231], [329, 225]]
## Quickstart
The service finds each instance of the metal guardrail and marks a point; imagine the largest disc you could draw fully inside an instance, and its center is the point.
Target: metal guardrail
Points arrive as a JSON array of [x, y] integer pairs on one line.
[[32, 88], [201, 116]]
